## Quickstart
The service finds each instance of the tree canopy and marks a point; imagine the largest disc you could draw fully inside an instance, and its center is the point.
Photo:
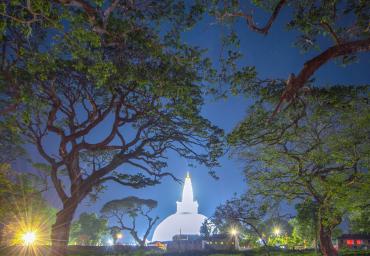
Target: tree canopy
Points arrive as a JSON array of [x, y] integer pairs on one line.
[[69, 67], [126, 212], [329, 30], [316, 150], [306, 221], [89, 229], [245, 213]]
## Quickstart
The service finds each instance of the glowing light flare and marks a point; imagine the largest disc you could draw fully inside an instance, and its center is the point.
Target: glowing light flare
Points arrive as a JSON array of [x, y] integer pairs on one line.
[[110, 242], [233, 231], [276, 231], [119, 236], [29, 238], [28, 226]]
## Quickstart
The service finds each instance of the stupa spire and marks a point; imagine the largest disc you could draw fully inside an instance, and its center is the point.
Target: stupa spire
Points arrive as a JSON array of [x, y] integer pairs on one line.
[[187, 203], [187, 192]]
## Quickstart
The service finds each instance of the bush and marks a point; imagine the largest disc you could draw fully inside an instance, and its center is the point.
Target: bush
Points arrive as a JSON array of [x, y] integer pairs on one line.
[[350, 252]]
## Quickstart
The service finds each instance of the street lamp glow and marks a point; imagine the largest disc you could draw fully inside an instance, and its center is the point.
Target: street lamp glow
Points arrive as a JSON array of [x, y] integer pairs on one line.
[[119, 236], [276, 231], [29, 238], [233, 232], [110, 242]]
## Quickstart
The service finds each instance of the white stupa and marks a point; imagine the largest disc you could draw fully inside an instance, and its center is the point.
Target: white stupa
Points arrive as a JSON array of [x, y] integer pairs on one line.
[[186, 220]]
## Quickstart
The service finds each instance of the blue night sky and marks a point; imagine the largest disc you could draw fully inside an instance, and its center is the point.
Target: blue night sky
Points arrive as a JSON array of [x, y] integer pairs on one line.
[[274, 56]]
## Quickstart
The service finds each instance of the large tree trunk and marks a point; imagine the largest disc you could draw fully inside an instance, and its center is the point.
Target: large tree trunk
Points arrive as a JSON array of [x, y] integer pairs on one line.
[[326, 245], [60, 229]]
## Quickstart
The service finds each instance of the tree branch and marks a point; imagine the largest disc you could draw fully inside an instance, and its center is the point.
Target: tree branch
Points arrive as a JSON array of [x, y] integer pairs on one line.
[[159, 175], [124, 183], [295, 83], [90, 11], [331, 31], [58, 185], [251, 23], [106, 140]]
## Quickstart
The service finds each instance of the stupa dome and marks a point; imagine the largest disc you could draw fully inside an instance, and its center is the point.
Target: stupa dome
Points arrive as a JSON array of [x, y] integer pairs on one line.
[[186, 220]]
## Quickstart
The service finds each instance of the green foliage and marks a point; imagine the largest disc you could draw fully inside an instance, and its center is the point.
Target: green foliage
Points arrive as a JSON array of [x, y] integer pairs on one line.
[[317, 25], [315, 150], [102, 64], [359, 220], [10, 144], [277, 144], [7, 188], [305, 224], [88, 229], [246, 214], [126, 54], [327, 19], [302, 235]]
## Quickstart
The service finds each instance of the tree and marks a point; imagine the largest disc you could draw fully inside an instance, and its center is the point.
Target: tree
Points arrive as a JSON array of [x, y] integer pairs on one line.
[[77, 66], [301, 235], [26, 25], [315, 151], [306, 221], [318, 25], [207, 228], [131, 208], [245, 212], [297, 237], [89, 229]]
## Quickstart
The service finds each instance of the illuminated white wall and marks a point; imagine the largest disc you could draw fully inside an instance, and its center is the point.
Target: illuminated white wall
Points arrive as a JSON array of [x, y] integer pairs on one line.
[[185, 221]]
